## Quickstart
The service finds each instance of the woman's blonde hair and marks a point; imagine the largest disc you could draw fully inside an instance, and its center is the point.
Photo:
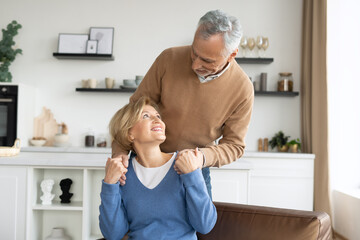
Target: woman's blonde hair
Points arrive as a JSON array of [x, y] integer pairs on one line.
[[125, 118]]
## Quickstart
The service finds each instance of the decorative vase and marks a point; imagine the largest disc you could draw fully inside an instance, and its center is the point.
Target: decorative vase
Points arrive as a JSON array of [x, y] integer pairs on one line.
[[294, 148], [283, 148], [58, 234]]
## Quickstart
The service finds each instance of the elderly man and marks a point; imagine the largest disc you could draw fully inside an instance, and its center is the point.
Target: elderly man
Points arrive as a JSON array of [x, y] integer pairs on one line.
[[202, 94]]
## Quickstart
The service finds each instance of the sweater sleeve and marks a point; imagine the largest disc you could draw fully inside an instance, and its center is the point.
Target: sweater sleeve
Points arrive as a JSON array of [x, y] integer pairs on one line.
[[232, 144], [113, 219], [200, 209]]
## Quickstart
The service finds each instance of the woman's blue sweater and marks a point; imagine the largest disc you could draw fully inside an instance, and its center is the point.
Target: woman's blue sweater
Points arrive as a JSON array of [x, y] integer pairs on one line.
[[175, 209]]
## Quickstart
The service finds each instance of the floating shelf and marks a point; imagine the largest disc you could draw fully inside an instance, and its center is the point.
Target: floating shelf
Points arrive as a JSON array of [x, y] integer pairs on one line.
[[276, 93], [130, 90], [105, 89], [84, 56], [254, 60]]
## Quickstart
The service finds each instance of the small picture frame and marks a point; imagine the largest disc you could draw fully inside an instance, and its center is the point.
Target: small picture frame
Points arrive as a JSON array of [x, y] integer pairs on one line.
[[72, 43], [104, 37], [91, 46]]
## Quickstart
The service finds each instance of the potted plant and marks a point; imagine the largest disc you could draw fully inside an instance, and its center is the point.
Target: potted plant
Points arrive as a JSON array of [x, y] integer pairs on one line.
[[294, 145], [279, 140], [7, 51]]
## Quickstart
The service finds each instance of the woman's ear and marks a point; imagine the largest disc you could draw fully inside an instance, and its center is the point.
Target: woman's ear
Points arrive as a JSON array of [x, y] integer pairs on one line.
[[131, 138]]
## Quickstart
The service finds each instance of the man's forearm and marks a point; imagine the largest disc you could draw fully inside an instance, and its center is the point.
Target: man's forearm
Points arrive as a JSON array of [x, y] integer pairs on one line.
[[222, 154]]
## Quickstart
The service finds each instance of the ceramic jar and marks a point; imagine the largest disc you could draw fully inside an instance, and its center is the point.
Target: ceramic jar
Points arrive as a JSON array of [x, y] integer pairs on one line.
[[58, 234]]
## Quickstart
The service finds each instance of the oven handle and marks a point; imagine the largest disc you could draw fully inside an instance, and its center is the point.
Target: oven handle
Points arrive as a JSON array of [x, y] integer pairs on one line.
[[6, 100]]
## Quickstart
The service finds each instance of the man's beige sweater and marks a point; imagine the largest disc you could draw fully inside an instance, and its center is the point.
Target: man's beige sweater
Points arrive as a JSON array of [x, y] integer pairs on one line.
[[196, 114]]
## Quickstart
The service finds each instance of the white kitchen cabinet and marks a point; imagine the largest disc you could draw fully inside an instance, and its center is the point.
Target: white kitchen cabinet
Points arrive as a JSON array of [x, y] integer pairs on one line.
[[231, 183], [284, 180], [12, 202]]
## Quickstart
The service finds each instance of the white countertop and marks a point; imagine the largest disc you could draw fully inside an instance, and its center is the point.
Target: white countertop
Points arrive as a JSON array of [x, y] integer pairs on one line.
[[96, 157]]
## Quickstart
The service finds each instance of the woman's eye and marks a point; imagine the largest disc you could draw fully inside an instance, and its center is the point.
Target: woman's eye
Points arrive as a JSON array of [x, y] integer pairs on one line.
[[145, 115]]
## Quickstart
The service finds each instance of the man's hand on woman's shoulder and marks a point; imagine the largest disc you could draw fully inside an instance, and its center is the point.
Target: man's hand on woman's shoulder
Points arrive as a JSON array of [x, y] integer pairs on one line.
[[188, 160], [115, 169]]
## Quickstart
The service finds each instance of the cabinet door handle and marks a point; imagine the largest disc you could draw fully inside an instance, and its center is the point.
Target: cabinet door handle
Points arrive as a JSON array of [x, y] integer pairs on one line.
[[6, 100]]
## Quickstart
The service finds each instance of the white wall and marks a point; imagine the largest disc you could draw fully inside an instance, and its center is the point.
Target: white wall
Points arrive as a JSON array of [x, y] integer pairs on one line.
[[344, 113], [142, 30]]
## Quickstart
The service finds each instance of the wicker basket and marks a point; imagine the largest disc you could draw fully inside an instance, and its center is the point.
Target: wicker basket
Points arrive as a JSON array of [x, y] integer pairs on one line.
[[10, 151]]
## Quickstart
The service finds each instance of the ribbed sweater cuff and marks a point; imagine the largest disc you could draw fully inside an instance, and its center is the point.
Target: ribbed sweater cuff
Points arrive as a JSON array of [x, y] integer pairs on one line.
[[192, 178], [110, 189]]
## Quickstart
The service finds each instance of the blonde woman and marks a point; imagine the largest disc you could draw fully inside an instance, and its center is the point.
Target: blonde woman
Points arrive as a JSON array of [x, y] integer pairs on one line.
[[156, 202]]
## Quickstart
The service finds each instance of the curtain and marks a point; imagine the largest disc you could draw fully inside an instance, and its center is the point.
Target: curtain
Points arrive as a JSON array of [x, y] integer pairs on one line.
[[314, 112]]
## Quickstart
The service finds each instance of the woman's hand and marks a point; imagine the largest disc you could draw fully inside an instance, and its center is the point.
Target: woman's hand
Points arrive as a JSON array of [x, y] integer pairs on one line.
[[114, 170], [188, 161]]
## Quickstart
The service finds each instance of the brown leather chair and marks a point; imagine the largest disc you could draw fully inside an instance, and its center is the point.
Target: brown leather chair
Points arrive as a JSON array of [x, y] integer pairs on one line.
[[237, 221], [246, 222]]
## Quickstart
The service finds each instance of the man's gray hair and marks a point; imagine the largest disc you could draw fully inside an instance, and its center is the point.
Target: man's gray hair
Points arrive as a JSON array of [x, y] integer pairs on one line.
[[218, 22]]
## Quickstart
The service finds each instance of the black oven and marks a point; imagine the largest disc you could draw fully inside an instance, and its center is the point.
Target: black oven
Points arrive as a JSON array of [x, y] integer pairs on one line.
[[8, 114]]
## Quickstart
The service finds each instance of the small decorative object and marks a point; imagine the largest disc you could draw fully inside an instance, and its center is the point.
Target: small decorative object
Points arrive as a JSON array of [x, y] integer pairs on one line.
[[92, 82], [7, 50], [65, 185], [138, 79], [251, 44], [58, 234], [46, 187], [259, 43], [265, 44], [91, 46], [256, 85], [84, 83], [10, 151], [90, 139], [101, 141], [279, 140], [109, 82], [294, 145], [266, 144], [72, 43], [61, 138], [285, 83], [260, 145], [243, 45], [263, 79], [37, 141], [104, 37]]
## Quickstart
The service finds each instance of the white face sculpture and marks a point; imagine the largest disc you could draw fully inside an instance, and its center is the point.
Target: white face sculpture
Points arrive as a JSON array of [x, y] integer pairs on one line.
[[47, 185]]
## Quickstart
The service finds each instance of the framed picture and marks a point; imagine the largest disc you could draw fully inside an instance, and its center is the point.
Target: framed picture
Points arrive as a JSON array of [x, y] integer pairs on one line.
[[72, 43], [91, 46], [104, 37]]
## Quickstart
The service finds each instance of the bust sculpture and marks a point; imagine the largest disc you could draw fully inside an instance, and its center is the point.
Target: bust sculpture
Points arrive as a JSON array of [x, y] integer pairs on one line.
[[46, 187], [65, 185]]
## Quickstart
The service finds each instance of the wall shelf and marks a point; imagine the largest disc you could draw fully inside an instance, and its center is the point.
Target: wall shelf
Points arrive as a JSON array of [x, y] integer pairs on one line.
[[105, 90], [84, 56], [254, 60], [130, 90], [276, 93]]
